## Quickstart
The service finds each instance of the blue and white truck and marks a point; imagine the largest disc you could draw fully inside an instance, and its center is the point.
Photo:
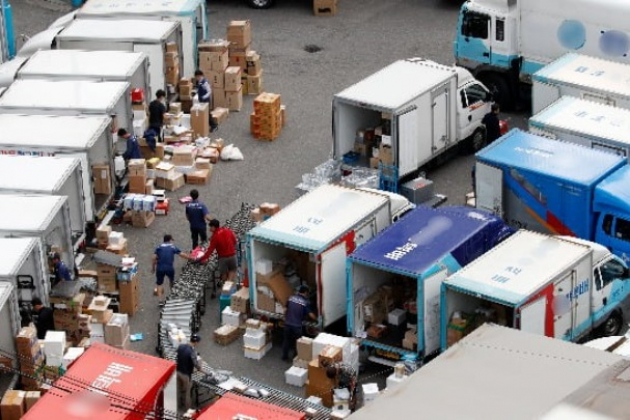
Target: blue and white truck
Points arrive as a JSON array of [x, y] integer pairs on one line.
[[559, 287], [504, 42], [400, 271], [556, 187]]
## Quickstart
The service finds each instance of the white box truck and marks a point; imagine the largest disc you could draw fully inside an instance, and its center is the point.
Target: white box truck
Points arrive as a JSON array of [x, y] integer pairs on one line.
[[25, 266], [554, 286], [147, 36], [47, 176], [314, 233], [88, 139], [10, 320], [590, 124], [46, 218], [425, 108], [97, 66], [504, 42], [583, 77]]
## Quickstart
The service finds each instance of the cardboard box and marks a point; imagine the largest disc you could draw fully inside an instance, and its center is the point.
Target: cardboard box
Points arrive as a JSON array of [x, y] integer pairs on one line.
[[183, 156], [171, 47], [172, 184], [103, 231], [142, 218], [220, 115], [117, 330], [13, 405], [119, 249], [265, 303], [200, 119], [253, 64], [200, 176], [239, 33], [325, 7], [171, 58], [213, 45], [239, 301], [107, 285], [213, 60], [304, 347], [244, 83], [255, 84], [386, 155], [232, 79], [104, 271], [374, 162], [280, 287], [374, 309], [102, 179], [149, 187], [239, 59], [216, 79], [218, 98], [172, 75], [234, 100], [31, 398], [129, 295], [137, 184], [329, 356], [226, 334]]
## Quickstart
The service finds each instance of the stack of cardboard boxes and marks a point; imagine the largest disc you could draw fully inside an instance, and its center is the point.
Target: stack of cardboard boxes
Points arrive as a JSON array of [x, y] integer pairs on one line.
[[117, 243], [254, 78], [200, 119], [167, 178], [185, 90], [102, 236], [256, 341], [171, 58], [233, 88], [266, 120], [128, 287], [98, 309], [31, 358], [272, 290], [325, 7], [16, 403], [376, 143], [137, 175], [264, 212], [213, 62], [239, 36], [68, 317], [201, 173]]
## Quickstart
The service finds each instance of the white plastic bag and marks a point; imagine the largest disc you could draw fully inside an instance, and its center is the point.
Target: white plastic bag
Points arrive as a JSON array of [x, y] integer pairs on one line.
[[231, 152]]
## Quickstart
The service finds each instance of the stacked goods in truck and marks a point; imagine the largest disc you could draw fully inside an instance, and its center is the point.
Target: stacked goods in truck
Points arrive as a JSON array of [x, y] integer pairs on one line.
[[266, 120], [68, 317], [273, 288], [256, 341], [31, 357], [325, 7], [172, 59], [375, 143]]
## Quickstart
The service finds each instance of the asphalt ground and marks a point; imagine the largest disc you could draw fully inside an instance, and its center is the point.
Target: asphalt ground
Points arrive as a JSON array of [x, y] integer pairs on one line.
[[365, 36]]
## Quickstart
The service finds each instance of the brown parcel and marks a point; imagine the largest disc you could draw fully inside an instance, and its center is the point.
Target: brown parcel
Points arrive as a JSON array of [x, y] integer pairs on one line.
[[102, 179], [234, 100], [240, 301], [265, 303], [232, 79], [329, 356], [280, 287], [200, 119], [31, 398], [239, 33], [12, 406], [305, 348]]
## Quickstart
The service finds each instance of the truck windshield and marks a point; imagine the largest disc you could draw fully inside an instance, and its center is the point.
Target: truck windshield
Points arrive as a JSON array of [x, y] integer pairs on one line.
[[475, 25], [609, 272]]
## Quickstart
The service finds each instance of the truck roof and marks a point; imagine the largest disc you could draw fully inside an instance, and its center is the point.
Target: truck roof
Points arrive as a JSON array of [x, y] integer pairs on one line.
[[29, 213], [585, 118], [313, 221], [513, 270], [101, 64], [613, 192], [139, 7], [62, 132], [138, 30], [399, 83], [581, 70], [14, 251], [80, 95], [431, 233], [493, 373], [561, 160], [35, 174]]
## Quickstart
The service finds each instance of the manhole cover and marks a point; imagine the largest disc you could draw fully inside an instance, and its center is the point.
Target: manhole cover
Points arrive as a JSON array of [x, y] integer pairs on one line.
[[312, 48]]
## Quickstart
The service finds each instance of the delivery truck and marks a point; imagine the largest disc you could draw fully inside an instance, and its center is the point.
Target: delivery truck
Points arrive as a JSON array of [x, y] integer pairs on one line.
[[504, 42], [407, 115], [147, 36], [25, 267], [46, 218], [97, 66], [47, 176], [88, 139], [590, 124], [306, 243], [394, 279], [10, 320], [192, 16], [581, 76], [556, 187], [559, 287], [69, 97]]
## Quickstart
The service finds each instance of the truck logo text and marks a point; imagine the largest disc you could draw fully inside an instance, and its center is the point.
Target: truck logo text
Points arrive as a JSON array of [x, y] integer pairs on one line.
[[578, 290], [401, 251], [25, 153]]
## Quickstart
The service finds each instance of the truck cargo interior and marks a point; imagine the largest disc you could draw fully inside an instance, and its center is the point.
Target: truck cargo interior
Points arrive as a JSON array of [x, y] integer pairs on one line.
[[377, 294], [465, 313]]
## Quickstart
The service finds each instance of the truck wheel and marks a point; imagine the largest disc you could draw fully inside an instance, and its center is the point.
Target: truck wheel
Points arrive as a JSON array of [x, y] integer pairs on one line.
[[476, 141], [612, 326], [260, 4], [500, 90]]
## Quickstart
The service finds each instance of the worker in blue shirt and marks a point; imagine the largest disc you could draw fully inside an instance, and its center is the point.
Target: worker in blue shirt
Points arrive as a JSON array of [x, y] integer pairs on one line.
[[187, 362], [197, 214], [298, 309], [61, 269], [133, 147], [204, 95], [163, 265]]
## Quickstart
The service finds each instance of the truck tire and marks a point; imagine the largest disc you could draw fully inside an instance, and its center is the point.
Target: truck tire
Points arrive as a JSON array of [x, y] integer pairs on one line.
[[499, 88], [612, 326], [260, 4], [476, 141]]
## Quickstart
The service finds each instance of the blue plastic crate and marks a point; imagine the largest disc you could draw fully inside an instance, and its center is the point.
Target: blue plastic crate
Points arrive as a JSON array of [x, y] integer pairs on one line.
[[351, 157]]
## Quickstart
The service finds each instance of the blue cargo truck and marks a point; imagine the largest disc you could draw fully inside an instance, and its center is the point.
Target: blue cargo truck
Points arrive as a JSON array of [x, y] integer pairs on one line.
[[394, 279], [556, 187]]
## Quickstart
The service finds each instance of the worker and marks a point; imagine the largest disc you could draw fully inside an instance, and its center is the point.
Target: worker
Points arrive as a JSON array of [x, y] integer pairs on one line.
[[61, 270], [346, 377], [491, 121], [187, 362], [298, 310], [224, 242], [43, 318], [204, 95], [157, 112], [133, 147], [197, 214], [163, 265]]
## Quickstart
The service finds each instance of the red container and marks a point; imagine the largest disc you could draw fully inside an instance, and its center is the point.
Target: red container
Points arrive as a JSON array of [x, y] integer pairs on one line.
[[137, 95]]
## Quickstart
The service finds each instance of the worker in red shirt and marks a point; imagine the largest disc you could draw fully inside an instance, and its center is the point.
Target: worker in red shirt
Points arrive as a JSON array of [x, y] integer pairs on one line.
[[224, 242]]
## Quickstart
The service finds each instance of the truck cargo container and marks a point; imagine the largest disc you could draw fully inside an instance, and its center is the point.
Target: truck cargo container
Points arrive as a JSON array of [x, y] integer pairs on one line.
[[400, 272], [584, 77], [554, 286], [423, 109], [504, 42], [556, 187], [590, 124], [315, 233], [9, 320], [88, 139]]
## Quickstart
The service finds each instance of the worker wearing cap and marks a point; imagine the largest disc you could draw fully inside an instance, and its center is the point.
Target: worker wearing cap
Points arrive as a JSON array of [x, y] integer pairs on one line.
[[43, 318], [61, 269], [133, 147], [197, 214], [163, 265], [346, 377], [298, 309], [187, 362], [224, 242]]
